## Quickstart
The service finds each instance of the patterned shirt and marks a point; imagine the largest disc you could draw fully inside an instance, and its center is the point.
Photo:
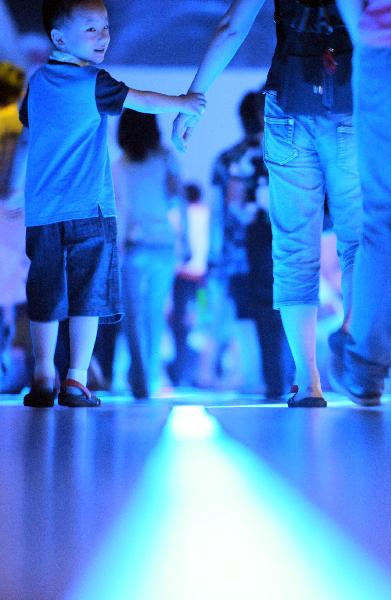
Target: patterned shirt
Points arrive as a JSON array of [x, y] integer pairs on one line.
[[243, 163]]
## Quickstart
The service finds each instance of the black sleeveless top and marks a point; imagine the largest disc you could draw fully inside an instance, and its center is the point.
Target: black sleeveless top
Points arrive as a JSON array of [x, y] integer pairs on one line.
[[311, 67]]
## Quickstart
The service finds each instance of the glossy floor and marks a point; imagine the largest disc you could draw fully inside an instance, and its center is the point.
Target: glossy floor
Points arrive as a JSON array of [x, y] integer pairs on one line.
[[195, 496]]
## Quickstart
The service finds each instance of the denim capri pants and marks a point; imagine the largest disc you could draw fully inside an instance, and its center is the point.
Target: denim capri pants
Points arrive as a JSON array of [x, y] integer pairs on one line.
[[307, 158]]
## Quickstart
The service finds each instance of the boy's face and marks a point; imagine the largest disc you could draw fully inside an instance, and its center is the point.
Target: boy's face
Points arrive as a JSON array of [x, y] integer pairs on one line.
[[85, 33]]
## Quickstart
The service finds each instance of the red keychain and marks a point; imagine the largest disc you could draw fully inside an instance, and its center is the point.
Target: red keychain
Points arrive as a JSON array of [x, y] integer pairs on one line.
[[329, 61]]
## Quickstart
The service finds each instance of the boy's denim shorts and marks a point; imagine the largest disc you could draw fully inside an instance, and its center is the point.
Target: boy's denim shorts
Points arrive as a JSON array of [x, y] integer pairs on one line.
[[74, 270]]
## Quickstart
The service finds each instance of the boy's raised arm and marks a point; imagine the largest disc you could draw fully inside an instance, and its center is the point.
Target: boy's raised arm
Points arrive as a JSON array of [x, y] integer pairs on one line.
[[227, 39], [152, 102]]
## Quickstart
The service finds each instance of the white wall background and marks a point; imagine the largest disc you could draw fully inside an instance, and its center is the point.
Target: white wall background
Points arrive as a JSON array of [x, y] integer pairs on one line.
[[220, 125]]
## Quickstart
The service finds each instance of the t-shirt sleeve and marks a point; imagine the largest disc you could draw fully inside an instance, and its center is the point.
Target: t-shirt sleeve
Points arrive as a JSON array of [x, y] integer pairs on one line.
[[23, 111], [110, 94]]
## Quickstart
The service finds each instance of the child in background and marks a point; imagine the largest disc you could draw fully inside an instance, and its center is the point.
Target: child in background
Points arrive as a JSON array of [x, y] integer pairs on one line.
[[147, 188], [70, 211]]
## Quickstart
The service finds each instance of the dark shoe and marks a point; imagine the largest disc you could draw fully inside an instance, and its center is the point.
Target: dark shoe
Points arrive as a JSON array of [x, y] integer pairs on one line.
[[337, 341], [140, 393], [360, 380], [40, 396], [86, 399], [306, 402]]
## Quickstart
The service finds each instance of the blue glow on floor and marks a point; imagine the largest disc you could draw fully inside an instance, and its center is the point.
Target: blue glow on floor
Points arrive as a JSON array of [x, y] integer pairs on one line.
[[203, 398], [212, 522]]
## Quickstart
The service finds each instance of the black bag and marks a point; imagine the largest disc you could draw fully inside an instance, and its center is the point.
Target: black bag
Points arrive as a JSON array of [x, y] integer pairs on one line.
[[314, 69]]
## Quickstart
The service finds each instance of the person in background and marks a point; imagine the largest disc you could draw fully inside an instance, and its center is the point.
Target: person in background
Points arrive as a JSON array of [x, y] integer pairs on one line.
[[13, 262], [242, 179], [147, 187], [309, 150], [366, 353], [189, 281]]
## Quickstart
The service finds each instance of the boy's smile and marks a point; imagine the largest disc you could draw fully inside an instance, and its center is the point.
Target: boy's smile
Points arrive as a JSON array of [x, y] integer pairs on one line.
[[85, 34]]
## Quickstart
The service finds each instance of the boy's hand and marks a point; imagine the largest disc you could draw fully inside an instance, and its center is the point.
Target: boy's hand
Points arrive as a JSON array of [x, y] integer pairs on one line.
[[182, 129], [193, 104]]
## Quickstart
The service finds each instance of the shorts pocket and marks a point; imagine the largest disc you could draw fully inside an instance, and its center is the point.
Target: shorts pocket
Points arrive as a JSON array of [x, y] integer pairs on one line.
[[279, 147]]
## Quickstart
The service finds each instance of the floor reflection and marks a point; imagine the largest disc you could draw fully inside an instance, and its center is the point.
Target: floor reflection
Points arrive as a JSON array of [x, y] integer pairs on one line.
[[197, 498], [64, 478], [214, 521]]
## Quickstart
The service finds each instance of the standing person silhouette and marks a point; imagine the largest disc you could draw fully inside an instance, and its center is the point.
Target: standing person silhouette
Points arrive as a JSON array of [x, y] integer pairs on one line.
[[367, 351], [147, 184], [309, 149]]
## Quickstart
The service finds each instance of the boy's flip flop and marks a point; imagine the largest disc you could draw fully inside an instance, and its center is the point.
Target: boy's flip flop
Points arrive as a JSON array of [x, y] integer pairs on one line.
[[86, 399]]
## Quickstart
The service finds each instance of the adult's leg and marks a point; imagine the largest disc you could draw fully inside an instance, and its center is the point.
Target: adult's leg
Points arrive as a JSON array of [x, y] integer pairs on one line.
[[371, 312], [300, 322], [296, 210], [337, 147]]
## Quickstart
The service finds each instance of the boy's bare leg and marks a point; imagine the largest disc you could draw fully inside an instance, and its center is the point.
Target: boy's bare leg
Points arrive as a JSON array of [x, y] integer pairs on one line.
[[44, 340], [82, 336], [300, 323]]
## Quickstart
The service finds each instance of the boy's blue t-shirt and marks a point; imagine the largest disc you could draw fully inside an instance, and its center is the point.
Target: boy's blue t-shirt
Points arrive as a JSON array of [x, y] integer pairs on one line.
[[68, 170]]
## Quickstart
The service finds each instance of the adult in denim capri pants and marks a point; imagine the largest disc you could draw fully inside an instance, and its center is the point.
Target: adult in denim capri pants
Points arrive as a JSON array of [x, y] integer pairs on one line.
[[309, 151]]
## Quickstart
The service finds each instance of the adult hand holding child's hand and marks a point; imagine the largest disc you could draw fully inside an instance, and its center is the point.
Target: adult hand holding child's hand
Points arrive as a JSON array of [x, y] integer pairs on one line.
[[193, 104], [182, 129]]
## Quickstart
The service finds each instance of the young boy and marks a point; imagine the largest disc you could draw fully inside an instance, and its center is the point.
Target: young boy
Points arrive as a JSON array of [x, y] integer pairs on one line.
[[70, 212]]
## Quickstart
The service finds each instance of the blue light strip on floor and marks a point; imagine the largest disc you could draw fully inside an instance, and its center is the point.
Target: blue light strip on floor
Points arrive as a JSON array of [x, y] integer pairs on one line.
[[212, 522]]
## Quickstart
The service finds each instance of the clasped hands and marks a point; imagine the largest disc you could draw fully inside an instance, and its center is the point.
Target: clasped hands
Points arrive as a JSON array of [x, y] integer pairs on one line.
[[182, 129]]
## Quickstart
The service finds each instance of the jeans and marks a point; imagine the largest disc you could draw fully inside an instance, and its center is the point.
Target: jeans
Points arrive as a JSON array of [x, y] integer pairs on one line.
[[307, 157], [147, 274], [371, 312]]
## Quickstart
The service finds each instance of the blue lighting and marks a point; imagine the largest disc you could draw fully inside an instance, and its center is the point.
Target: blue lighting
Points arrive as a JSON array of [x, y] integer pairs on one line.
[[213, 522]]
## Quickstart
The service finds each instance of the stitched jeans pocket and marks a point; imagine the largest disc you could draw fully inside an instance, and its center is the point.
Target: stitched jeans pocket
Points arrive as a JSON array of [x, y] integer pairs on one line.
[[346, 147], [279, 147]]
